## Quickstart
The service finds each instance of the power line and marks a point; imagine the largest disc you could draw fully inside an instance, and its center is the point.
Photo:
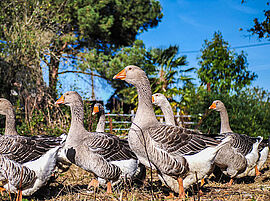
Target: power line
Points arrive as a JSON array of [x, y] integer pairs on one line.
[[236, 47]]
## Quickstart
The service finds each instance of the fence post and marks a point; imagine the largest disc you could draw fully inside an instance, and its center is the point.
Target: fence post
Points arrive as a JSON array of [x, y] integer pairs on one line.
[[110, 124]]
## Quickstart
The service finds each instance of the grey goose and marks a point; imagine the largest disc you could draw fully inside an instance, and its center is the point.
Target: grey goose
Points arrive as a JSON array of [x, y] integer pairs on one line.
[[241, 155], [28, 177], [177, 153], [103, 154]]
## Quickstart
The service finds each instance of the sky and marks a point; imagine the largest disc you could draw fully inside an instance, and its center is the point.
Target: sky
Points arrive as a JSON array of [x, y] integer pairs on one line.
[[187, 23]]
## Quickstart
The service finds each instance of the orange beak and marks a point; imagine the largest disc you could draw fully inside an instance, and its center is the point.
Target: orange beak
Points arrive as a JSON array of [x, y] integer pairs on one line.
[[95, 110], [121, 75], [60, 100], [213, 106], [153, 99]]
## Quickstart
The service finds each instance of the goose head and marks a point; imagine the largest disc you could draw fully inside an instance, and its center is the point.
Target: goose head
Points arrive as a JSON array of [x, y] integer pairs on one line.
[[217, 105], [70, 98], [5, 106], [132, 75], [98, 108], [159, 99]]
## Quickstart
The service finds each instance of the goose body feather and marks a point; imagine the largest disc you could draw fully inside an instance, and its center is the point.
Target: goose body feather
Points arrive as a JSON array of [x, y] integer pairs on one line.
[[100, 153], [30, 176], [172, 150]]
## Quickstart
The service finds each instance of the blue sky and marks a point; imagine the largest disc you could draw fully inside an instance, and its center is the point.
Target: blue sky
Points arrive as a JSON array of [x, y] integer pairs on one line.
[[188, 23]]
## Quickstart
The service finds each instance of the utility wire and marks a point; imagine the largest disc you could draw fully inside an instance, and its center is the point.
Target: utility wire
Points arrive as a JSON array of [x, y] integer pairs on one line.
[[236, 47]]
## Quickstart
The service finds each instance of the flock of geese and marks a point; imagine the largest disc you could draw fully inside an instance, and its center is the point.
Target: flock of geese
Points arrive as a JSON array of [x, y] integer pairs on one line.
[[181, 156]]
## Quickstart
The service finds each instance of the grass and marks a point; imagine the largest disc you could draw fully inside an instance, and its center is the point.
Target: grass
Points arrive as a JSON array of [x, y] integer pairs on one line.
[[72, 185]]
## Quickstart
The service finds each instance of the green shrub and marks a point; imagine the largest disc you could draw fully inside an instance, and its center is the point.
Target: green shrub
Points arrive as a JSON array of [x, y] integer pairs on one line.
[[249, 111]]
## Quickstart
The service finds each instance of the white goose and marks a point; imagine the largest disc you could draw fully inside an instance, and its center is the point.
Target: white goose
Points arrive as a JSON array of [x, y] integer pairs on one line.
[[103, 154], [27, 178], [239, 157], [177, 153]]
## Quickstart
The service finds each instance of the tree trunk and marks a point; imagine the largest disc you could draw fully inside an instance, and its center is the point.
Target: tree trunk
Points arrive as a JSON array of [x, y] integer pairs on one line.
[[53, 76]]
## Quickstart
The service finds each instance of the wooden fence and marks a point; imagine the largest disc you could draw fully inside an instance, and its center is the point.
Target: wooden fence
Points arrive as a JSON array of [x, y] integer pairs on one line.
[[122, 125]]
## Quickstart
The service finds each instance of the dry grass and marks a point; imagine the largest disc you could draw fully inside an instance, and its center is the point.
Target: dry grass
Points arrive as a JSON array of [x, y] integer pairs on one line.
[[72, 185]]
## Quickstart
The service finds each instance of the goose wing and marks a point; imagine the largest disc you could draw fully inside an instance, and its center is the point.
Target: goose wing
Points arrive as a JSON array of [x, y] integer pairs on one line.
[[15, 174], [110, 147], [23, 149], [242, 143], [177, 140]]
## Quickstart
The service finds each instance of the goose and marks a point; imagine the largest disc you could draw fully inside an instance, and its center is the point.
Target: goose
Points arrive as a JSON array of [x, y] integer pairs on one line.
[[99, 109], [239, 157], [22, 149], [105, 155], [180, 156], [33, 146], [140, 174], [161, 101], [263, 151], [6, 109], [28, 177]]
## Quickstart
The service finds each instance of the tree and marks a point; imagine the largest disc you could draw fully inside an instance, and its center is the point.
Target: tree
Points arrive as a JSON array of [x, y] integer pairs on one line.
[[261, 29], [171, 71], [51, 32], [58, 30], [222, 69]]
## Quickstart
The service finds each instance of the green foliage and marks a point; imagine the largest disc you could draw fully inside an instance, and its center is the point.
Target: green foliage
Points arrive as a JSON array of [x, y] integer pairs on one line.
[[56, 30], [262, 29], [114, 22], [221, 68], [249, 111]]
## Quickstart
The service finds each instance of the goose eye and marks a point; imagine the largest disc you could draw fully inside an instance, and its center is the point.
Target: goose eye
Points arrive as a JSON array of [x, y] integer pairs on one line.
[[129, 68]]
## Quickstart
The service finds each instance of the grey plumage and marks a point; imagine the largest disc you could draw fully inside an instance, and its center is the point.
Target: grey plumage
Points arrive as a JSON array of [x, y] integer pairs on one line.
[[241, 154], [30, 176], [96, 152], [174, 151], [23, 149]]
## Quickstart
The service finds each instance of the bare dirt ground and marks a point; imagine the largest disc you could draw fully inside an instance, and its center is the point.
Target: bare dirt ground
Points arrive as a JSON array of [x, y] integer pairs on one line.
[[72, 185]]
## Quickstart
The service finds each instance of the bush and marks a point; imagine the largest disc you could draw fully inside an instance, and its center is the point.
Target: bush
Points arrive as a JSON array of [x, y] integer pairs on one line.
[[249, 111]]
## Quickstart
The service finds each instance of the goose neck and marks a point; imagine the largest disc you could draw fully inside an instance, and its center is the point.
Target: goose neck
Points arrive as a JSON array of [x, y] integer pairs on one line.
[[10, 128], [225, 124], [101, 123], [145, 113], [77, 128], [168, 113]]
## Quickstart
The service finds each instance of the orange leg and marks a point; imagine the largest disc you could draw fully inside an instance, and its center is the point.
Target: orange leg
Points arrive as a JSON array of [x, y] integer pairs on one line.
[[181, 188], [109, 188], [2, 190], [93, 183], [230, 182], [19, 196], [170, 196], [257, 171], [202, 182]]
